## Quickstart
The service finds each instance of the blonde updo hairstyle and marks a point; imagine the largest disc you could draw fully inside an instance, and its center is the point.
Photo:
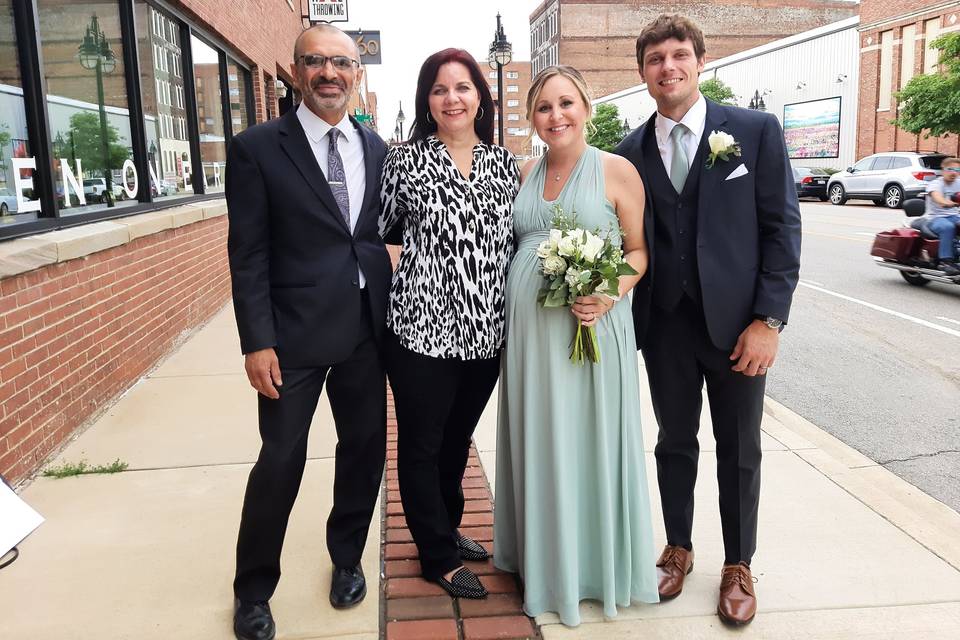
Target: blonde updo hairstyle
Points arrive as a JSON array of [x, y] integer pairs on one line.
[[571, 74]]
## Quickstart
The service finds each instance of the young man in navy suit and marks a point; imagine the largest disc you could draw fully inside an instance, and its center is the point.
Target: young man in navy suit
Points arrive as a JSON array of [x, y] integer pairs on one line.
[[723, 230], [310, 282]]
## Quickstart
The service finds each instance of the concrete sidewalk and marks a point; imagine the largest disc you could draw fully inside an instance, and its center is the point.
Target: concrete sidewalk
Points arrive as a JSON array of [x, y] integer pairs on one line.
[[847, 550]]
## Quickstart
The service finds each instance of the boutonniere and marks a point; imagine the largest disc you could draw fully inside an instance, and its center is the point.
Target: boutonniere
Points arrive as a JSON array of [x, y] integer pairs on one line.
[[722, 146]]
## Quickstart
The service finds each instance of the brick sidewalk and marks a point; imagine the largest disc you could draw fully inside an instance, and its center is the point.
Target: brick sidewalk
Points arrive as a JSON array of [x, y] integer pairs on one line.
[[414, 609]]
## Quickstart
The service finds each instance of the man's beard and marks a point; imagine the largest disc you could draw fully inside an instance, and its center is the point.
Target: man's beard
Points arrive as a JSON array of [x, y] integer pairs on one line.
[[328, 103]]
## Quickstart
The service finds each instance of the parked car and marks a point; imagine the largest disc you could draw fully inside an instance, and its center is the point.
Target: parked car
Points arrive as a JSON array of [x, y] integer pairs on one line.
[[886, 178], [811, 182], [8, 202], [165, 188], [95, 188]]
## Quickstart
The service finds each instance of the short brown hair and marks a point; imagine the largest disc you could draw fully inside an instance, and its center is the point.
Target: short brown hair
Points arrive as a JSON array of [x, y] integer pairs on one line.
[[667, 26], [955, 161]]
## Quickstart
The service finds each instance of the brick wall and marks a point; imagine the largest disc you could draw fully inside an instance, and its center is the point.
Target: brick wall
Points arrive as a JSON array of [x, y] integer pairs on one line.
[[75, 335], [876, 131]]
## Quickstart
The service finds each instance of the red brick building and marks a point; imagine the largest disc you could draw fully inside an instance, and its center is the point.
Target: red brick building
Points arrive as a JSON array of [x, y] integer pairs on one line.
[[516, 84], [895, 37], [598, 37]]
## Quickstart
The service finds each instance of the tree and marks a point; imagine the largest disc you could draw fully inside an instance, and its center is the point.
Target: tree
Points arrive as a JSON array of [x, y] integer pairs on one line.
[[88, 144], [607, 130], [718, 91], [930, 103]]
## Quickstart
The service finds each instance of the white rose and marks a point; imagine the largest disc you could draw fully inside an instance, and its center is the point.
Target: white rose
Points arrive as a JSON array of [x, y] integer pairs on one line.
[[554, 265], [720, 141], [573, 278], [555, 236], [544, 250], [567, 246], [591, 247]]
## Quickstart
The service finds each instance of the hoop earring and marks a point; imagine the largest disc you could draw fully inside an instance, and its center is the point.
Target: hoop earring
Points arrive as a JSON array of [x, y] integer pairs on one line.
[[428, 117], [480, 113]]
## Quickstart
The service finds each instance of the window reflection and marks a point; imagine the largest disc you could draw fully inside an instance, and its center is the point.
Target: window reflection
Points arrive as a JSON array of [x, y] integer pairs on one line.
[[164, 104], [237, 82], [87, 103], [14, 141], [213, 152]]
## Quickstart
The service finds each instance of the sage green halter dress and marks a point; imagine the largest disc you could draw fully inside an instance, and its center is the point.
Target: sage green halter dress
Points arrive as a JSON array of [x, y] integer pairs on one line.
[[572, 510]]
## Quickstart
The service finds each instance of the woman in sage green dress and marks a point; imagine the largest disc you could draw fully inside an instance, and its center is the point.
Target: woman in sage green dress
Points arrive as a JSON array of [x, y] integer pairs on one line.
[[572, 511]]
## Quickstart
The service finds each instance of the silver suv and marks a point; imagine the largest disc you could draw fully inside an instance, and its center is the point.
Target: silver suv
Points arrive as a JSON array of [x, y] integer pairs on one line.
[[886, 178]]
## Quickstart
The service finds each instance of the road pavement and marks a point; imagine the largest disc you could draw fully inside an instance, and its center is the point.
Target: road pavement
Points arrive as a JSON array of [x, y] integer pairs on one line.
[[869, 358]]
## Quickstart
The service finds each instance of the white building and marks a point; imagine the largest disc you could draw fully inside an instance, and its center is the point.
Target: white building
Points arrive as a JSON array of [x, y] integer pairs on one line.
[[812, 77]]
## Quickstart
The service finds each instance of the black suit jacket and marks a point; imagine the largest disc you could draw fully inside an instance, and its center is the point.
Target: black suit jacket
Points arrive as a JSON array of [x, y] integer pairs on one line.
[[748, 227], [293, 260]]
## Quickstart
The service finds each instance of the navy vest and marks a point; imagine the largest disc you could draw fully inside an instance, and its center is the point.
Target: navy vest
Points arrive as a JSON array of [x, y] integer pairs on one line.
[[675, 272]]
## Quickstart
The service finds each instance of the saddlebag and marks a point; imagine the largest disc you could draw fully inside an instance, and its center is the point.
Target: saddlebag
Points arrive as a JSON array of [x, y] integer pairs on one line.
[[898, 244]]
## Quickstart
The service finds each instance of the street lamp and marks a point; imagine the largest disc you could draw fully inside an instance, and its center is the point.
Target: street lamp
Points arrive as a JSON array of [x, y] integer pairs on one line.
[[400, 119], [95, 54], [756, 102], [501, 52]]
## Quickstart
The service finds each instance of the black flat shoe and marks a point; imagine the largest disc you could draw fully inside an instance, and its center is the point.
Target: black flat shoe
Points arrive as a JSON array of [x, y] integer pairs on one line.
[[253, 621], [471, 550], [347, 588], [463, 584]]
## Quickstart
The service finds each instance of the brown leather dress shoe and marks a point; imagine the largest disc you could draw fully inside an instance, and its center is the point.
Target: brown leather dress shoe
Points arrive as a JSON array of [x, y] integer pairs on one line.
[[738, 602], [672, 567]]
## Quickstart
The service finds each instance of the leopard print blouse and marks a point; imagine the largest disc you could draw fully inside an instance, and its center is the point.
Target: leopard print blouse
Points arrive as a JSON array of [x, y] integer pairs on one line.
[[447, 295]]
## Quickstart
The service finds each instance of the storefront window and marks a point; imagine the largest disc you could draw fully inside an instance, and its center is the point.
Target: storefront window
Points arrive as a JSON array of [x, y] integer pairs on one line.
[[14, 143], [87, 104], [213, 150], [237, 81], [164, 106]]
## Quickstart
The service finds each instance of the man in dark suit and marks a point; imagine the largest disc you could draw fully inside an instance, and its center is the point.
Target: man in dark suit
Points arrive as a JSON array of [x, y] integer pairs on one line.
[[723, 230], [310, 282]]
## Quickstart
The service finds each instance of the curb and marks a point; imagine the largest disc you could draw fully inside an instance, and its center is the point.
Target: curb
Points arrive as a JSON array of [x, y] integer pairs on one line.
[[931, 523]]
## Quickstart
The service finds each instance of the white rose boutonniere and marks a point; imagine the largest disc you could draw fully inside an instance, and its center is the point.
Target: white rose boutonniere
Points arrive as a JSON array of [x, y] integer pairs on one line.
[[722, 146]]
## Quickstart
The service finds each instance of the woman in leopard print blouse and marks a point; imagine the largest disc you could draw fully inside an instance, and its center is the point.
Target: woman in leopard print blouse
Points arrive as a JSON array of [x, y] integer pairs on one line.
[[450, 191]]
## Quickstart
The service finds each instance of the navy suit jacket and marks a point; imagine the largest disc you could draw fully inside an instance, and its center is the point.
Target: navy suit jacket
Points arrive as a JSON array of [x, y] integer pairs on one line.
[[293, 259], [748, 227]]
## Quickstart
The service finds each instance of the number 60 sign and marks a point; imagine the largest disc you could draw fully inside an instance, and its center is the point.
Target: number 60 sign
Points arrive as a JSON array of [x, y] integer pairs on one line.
[[369, 44]]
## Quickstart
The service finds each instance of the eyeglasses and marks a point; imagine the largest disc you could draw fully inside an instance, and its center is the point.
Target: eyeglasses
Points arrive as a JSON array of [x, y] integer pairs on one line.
[[317, 61], [952, 169]]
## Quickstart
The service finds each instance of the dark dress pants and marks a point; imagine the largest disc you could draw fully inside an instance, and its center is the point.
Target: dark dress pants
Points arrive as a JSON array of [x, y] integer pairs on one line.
[[357, 391], [438, 403], [679, 357]]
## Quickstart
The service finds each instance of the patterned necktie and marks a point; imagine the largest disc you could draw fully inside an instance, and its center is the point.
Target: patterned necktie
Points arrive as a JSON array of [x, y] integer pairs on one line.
[[337, 178], [679, 165]]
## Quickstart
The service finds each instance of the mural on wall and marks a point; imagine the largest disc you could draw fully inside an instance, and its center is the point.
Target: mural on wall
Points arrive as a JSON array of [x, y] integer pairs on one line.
[[812, 129]]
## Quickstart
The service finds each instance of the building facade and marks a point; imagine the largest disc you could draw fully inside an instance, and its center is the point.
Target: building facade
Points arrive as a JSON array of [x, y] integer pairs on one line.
[[516, 84], [115, 119], [808, 80], [598, 37], [895, 38]]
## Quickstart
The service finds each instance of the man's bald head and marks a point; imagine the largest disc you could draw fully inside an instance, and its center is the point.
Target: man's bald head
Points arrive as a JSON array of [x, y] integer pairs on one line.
[[321, 28]]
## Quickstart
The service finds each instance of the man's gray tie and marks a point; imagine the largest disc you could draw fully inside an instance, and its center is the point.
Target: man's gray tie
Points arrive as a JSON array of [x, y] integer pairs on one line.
[[679, 165], [337, 177]]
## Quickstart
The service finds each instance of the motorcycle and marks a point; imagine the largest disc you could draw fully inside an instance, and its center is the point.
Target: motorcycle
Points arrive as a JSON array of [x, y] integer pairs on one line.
[[912, 249]]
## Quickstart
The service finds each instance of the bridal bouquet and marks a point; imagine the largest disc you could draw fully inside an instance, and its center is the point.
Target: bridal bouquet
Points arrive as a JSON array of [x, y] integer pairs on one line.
[[576, 262]]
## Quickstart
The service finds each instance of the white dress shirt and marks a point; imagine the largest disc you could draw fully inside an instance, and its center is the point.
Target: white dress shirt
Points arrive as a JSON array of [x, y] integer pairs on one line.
[[350, 147], [695, 119]]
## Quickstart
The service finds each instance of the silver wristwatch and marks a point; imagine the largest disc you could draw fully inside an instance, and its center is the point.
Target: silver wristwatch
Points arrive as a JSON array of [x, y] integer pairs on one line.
[[773, 323]]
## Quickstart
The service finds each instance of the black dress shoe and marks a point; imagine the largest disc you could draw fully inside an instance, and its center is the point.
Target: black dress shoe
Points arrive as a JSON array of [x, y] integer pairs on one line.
[[463, 584], [253, 621], [348, 587], [470, 549]]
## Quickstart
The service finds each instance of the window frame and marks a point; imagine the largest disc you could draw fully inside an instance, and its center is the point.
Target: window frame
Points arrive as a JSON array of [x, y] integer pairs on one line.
[[30, 57]]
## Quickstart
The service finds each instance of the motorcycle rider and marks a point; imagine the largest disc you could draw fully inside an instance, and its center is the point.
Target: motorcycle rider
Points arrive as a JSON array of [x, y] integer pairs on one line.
[[942, 213]]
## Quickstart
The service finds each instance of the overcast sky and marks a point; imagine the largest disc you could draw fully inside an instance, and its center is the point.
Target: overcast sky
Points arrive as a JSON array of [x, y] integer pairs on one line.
[[410, 31]]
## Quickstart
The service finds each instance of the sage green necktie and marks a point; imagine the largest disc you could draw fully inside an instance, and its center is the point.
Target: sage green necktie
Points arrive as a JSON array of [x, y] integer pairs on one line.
[[679, 165]]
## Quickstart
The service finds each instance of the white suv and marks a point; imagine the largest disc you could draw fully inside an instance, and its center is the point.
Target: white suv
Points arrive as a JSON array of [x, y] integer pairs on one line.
[[95, 188], [886, 178]]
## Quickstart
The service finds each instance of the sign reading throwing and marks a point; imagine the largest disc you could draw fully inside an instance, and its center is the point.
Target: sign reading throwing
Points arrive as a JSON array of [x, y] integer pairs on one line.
[[328, 11]]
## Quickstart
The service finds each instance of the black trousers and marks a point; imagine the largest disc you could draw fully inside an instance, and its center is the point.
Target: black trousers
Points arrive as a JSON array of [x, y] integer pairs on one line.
[[679, 357], [357, 391], [438, 403]]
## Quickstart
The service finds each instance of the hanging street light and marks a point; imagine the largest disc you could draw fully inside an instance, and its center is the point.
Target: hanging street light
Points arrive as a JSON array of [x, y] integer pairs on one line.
[[95, 54], [500, 55]]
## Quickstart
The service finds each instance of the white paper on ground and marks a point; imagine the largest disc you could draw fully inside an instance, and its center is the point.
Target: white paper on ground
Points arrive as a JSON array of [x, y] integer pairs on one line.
[[17, 519]]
